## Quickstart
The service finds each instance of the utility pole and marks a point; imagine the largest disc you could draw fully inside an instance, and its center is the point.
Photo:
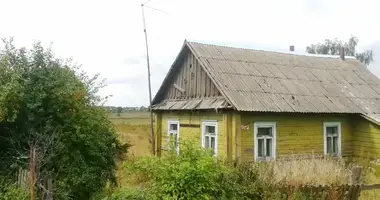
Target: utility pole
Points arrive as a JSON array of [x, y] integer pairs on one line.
[[153, 139]]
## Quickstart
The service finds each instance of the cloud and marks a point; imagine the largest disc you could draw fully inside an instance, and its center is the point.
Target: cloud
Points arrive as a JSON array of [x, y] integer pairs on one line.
[[106, 37]]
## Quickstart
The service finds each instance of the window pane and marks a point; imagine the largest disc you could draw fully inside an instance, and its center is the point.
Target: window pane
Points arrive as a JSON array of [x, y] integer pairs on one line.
[[335, 144], [269, 148], [260, 148], [207, 142], [173, 127], [210, 130], [329, 145], [264, 131], [332, 130], [212, 142]]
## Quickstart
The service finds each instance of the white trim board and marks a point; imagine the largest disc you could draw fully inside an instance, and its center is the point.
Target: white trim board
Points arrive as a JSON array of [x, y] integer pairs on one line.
[[264, 125], [210, 123], [331, 124], [172, 121]]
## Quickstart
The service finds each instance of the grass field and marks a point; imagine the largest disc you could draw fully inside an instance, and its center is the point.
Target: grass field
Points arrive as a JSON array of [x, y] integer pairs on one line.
[[133, 127]]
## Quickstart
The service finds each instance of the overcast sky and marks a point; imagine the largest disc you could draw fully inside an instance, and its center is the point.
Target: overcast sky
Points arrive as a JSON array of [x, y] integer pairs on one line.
[[106, 37]]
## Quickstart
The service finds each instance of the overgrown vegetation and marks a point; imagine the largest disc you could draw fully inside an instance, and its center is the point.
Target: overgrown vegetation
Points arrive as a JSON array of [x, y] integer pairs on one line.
[[196, 174], [49, 107]]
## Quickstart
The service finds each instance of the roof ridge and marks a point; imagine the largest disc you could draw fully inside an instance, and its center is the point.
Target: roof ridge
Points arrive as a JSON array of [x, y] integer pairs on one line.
[[273, 51]]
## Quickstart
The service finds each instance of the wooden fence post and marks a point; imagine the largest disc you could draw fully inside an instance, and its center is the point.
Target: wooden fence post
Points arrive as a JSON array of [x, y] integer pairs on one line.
[[32, 170], [357, 175], [49, 186]]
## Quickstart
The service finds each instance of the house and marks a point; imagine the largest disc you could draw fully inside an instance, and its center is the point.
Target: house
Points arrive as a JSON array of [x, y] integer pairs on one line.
[[253, 105]]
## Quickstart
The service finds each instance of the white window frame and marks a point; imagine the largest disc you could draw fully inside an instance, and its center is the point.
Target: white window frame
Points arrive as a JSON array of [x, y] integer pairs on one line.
[[257, 125], [177, 123], [210, 123], [332, 124]]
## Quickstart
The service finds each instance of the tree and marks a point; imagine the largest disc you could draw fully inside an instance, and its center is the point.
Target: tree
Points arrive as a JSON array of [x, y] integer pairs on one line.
[[47, 103], [119, 110], [332, 47]]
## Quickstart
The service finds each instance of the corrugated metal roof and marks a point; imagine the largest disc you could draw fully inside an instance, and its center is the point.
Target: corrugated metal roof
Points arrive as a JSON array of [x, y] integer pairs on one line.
[[375, 118], [191, 104], [253, 80]]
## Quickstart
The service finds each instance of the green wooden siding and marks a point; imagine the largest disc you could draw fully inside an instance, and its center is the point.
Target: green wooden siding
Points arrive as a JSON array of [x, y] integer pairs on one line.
[[367, 139], [297, 134]]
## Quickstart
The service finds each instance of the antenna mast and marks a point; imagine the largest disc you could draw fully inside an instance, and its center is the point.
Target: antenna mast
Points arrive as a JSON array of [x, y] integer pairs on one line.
[[153, 139]]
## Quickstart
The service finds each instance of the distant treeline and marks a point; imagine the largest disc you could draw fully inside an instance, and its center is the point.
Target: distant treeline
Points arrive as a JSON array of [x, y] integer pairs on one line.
[[119, 109]]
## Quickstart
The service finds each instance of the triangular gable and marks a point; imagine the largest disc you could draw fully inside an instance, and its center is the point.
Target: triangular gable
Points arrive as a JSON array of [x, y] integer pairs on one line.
[[187, 80]]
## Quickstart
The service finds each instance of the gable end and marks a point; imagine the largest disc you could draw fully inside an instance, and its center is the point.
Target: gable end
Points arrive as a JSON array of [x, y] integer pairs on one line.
[[187, 81]]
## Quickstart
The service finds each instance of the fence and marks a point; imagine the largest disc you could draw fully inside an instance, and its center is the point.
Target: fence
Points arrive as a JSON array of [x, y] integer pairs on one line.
[[45, 187], [22, 178], [340, 192]]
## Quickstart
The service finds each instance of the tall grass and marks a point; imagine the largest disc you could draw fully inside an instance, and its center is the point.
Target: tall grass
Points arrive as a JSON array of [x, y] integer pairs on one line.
[[312, 171], [182, 174]]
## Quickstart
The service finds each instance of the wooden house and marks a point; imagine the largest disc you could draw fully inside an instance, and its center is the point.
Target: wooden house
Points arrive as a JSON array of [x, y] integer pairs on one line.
[[255, 105]]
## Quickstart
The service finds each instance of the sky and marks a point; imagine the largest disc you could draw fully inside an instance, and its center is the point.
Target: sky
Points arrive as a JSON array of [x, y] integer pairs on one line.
[[107, 37]]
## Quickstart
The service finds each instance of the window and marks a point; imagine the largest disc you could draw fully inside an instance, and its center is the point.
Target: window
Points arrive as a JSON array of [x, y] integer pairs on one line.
[[210, 136], [265, 140], [332, 138], [173, 133]]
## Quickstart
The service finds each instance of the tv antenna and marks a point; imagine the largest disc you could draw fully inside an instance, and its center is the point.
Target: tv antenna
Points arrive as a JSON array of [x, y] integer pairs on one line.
[[153, 139]]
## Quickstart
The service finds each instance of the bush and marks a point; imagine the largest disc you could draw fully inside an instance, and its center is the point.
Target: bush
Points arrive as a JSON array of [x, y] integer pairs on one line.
[[195, 174], [47, 103], [12, 192], [122, 194]]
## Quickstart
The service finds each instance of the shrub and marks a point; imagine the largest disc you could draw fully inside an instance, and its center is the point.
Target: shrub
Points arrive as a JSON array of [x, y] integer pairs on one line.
[[12, 192], [47, 103], [194, 174], [122, 194]]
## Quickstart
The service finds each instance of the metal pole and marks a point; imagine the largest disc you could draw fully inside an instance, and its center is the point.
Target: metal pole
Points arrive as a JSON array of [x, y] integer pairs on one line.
[[153, 139]]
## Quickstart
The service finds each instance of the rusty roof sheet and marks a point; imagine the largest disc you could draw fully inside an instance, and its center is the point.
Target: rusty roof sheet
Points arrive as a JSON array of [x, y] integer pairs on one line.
[[254, 80]]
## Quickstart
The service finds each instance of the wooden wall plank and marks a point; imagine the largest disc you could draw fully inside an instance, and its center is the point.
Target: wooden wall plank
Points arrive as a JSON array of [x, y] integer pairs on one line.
[[296, 135], [198, 85]]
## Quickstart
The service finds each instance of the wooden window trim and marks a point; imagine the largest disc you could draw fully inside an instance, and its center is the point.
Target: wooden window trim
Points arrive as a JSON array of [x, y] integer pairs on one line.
[[332, 124], [257, 125], [178, 135], [210, 123]]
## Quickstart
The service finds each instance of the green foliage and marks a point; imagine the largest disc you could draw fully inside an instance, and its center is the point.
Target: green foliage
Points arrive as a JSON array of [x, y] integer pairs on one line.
[[14, 193], [48, 103], [195, 174], [125, 194], [119, 110], [10, 191], [332, 47]]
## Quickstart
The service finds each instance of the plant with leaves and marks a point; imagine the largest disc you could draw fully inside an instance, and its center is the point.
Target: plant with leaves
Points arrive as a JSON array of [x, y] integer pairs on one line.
[[195, 173], [47, 103], [333, 46]]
